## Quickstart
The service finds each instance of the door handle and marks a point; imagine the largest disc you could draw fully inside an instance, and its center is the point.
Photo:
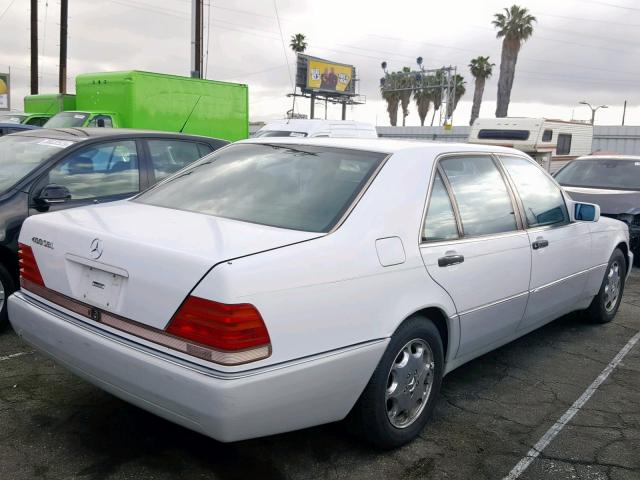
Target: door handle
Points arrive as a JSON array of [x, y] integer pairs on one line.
[[540, 243], [448, 260]]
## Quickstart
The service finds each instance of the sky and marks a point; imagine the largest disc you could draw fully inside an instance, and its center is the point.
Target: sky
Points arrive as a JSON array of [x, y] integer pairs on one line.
[[580, 49]]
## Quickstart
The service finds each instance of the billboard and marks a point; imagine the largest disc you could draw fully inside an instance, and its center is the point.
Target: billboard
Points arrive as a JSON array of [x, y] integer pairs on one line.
[[4, 91], [325, 76]]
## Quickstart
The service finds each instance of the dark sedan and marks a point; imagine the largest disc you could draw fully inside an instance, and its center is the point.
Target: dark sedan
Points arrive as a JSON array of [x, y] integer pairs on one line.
[[613, 182], [47, 170], [7, 128]]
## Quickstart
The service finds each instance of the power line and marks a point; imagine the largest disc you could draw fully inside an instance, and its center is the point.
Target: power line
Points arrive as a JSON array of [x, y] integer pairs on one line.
[[623, 7], [7, 9], [284, 46]]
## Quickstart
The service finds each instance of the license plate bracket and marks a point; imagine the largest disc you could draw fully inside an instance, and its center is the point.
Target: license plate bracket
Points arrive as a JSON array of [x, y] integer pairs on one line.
[[101, 288]]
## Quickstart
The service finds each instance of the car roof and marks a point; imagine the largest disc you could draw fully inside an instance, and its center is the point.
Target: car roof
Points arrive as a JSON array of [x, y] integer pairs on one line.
[[382, 145], [87, 133], [19, 126], [609, 156]]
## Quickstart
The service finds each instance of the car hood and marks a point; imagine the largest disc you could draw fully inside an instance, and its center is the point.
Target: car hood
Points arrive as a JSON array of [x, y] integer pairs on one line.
[[611, 202]]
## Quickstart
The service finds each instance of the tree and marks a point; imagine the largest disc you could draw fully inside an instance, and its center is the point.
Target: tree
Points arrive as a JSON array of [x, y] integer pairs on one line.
[[459, 90], [515, 26], [481, 69], [392, 98], [422, 97], [436, 83], [298, 43], [406, 85]]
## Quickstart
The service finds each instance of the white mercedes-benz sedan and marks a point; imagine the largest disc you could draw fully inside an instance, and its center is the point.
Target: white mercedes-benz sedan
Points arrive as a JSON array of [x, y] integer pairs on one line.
[[278, 284]]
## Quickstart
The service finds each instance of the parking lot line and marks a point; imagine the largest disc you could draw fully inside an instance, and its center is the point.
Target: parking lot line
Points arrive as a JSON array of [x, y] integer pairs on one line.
[[546, 439], [14, 355]]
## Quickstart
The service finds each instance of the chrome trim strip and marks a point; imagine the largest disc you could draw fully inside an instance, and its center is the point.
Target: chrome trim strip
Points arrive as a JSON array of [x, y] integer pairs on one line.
[[478, 238], [183, 363], [555, 282], [492, 304]]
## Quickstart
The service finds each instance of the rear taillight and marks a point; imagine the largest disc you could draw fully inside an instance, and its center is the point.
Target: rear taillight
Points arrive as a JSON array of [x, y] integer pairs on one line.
[[29, 271], [230, 328]]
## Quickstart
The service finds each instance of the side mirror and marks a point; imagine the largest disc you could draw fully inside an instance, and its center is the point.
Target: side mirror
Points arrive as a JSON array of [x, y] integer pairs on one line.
[[100, 122], [586, 212], [52, 194]]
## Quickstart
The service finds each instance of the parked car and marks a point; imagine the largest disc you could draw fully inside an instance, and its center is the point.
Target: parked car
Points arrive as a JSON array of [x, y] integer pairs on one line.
[[612, 182], [48, 170], [12, 117], [7, 128], [317, 128], [279, 284]]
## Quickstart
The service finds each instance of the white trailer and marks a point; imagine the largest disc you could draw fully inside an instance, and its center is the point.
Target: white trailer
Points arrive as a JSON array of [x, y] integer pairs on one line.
[[550, 142]]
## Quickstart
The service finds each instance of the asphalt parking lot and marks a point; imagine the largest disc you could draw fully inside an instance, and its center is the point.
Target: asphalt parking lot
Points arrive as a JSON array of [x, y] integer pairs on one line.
[[491, 412]]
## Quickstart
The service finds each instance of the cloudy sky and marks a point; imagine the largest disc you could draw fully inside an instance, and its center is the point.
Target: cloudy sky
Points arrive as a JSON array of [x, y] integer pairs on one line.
[[580, 50]]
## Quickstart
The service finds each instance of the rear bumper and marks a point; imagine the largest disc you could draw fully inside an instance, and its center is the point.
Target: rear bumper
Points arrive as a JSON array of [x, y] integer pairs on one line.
[[227, 407]]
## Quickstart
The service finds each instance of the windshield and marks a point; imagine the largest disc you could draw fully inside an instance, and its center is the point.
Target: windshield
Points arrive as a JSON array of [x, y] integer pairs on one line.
[[20, 155], [298, 187], [67, 120], [279, 133], [609, 173], [9, 118]]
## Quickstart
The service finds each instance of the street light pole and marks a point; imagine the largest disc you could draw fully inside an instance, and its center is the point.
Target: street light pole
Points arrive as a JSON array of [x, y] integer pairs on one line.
[[593, 109]]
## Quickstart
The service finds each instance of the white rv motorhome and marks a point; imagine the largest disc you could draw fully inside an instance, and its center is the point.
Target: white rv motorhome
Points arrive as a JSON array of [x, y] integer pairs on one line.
[[545, 140]]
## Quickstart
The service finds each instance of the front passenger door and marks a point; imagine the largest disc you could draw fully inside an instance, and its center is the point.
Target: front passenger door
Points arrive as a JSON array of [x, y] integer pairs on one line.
[[98, 173], [560, 250]]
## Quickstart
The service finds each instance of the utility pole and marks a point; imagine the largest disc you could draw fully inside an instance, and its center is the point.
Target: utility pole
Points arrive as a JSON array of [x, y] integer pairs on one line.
[[196, 38], [624, 112], [34, 47], [64, 15]]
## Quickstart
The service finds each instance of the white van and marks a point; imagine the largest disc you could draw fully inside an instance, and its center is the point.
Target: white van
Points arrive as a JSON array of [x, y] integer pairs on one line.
[[317, 128], [539, 137]]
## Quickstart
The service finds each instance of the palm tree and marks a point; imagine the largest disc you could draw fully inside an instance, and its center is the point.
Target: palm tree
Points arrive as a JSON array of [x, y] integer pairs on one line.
[[436, 81], [422, 97], [392, 97], [515, 26], [298, 43], [406, 85], [459, 90], [481, 69]]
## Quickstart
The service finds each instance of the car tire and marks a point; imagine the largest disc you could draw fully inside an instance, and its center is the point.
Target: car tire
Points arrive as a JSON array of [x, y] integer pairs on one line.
[[6, 288], [399, 398], [605, 304]]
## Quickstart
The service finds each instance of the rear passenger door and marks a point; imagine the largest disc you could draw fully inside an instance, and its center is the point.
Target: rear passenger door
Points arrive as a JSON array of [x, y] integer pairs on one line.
[[167, 156], [473, 245], [560, 250]]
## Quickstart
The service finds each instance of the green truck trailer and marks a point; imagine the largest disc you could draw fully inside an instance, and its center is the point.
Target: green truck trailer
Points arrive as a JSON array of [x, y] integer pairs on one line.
[[136, 99], [40, 108]]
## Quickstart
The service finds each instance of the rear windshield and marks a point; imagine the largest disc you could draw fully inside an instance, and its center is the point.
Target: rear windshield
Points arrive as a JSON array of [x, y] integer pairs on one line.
[[20, 155], [601, 173], [279, 133], [298, 187], [67, 120]]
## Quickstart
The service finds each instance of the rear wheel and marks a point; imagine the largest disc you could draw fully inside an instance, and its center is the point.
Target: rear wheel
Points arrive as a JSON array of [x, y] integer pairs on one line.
[[6, 289], [401, 395], [605, 305]]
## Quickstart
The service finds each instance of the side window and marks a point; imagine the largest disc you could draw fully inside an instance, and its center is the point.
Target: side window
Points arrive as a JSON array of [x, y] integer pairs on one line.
[[547, 135], [483, 199], [564, 144], [169, 156], [541, 197], [103, 121], [99, 171], [440, 222]]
